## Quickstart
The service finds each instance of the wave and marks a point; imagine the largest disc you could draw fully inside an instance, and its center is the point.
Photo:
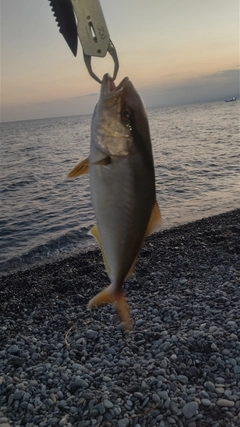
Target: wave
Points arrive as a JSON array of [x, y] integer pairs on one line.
[[73, 242]]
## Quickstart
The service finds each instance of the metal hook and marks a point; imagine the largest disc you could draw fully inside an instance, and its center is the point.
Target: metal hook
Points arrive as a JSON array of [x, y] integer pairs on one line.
[[112, 51]]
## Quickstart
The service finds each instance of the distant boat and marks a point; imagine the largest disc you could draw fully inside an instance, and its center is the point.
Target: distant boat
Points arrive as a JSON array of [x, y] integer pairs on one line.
[[230, 100]]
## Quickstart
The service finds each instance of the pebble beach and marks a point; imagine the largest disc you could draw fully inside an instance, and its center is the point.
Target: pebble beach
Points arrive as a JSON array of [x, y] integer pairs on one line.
[[64, 365]]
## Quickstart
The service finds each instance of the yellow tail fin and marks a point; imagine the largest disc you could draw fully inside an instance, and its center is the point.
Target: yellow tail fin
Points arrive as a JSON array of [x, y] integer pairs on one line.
[[107, 296]]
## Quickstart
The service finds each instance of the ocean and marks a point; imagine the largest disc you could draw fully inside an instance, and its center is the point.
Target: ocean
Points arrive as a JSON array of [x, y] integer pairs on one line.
[[45, 216]]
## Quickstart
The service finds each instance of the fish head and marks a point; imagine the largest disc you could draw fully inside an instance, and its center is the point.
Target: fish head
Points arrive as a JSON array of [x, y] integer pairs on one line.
[[119, 118]]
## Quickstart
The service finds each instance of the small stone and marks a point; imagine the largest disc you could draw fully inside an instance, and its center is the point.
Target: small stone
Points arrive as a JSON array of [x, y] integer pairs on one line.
[[144, 385], [108, 404], [236, 369], [163, 394], [171, 420], [80, 383], [193, 371], [220, 380], [214, 347], [26, 397], [173, 407], [219, 390], [206, 402], [213, 329], [93, 413], [101, 408], [183, 379], [62, 403], [92, 335], [60, 395], [30, 407], [232, 361], [53, 421], [18, 394], [166, 346], [106, 379], [35, 356], [163, 363], [146, 400], [226, 352], [232, 324], [139, 322], [173, 386], [124, 422], [64, 420], [156, 398], [190, 409], [81, 340], [117, 411], [78, 367], [138, 395], [14, 349], [227, 393], [210, 386], [225, 402]]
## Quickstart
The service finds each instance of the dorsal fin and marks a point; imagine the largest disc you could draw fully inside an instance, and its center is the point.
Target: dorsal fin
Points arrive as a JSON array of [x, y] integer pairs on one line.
[[81, 169]]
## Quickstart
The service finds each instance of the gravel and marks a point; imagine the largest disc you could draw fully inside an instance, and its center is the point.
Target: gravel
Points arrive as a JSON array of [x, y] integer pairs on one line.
[[63, 365]]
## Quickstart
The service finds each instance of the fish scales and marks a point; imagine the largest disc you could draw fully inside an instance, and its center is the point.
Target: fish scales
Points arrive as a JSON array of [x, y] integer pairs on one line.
[[122, 185]]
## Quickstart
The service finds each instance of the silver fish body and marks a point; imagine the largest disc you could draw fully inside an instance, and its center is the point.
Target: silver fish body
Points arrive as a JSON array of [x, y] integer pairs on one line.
[[122, 185], [121, 176]]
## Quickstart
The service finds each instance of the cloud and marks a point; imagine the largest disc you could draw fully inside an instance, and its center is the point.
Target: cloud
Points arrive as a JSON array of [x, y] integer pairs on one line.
[[205, 88], [89, 95], [211, 87], [225, 74], [56, 108]]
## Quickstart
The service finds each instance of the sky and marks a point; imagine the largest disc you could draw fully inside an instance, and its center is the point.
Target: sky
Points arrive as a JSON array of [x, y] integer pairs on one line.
[[174, 52]]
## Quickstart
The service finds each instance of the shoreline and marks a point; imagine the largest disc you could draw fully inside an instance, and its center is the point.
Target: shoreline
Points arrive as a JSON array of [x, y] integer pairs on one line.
[[94, 246], [25, 261], [63, 364]]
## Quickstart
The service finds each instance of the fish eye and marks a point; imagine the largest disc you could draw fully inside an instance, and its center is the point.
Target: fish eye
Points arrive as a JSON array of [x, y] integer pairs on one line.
[[126, 114]]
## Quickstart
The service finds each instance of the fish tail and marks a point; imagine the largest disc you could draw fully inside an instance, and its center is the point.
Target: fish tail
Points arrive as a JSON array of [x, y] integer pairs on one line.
[[124, 311], [108, 295]]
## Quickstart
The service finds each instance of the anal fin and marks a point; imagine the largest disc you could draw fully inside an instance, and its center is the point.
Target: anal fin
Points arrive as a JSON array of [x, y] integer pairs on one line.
[[155, 220], [95, 233]]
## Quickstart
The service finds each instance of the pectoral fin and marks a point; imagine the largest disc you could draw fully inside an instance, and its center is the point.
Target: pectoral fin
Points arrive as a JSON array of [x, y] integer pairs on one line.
[[107, 296], [103, 162], [81, 169], [155, 220]]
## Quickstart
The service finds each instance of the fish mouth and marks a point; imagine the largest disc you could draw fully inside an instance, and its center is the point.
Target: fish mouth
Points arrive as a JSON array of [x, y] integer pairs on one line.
[[109, 88]]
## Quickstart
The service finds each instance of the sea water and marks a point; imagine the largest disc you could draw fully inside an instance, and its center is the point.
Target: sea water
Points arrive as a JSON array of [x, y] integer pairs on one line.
[[44, 215]]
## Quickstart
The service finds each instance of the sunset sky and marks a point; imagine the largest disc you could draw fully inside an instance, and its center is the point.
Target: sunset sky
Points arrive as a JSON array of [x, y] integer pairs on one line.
[[174, 51]]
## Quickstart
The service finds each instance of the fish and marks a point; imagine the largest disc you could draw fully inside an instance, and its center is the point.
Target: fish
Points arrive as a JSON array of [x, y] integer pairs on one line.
[[122, 186]]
